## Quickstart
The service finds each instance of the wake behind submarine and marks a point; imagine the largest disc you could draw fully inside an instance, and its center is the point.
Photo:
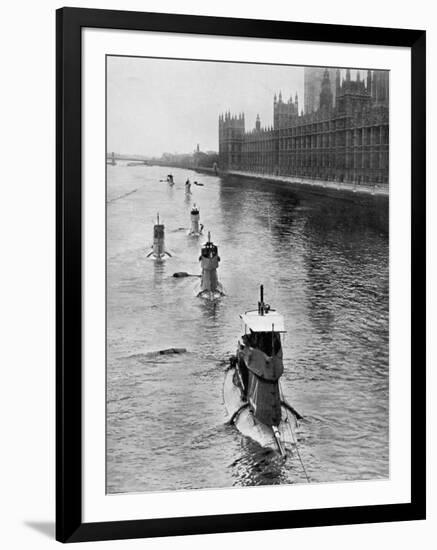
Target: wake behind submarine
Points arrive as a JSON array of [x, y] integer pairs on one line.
[[252, 392]]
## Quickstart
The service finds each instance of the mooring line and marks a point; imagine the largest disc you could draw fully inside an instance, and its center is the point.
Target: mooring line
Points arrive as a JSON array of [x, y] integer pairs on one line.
[[301, 461], [293, 436]]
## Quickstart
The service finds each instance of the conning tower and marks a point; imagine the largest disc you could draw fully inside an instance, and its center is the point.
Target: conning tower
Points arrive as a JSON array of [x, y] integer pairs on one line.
[[196, 227], [210, 286], [158, 251]]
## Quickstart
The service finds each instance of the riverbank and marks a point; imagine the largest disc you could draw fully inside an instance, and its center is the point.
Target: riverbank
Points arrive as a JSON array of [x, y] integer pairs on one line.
[[318, 186]]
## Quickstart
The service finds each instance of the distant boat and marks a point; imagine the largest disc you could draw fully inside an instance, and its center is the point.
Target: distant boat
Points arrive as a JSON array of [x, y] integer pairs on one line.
[[252, 392]]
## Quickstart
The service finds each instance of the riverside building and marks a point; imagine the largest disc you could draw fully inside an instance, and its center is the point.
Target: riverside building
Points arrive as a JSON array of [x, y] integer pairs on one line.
[[346, 139]]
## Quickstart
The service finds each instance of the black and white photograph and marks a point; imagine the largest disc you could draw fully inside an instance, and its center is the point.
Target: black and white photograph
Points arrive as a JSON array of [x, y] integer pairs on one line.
[[247, 274], [217, 275]]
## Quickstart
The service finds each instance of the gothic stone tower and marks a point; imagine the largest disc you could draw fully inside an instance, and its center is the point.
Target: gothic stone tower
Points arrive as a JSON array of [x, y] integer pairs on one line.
[[313, 77], [326, 94], [380, 87], [283, 112], [231, 133], [353, 95]]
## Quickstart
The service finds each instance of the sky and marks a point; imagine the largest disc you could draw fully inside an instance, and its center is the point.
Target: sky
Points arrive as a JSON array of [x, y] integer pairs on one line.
[[165, 105]]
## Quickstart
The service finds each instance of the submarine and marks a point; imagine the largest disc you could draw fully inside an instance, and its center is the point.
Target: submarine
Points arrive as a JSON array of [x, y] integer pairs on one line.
[[158, 251], [252, 392], [210, 287], [196, 228]]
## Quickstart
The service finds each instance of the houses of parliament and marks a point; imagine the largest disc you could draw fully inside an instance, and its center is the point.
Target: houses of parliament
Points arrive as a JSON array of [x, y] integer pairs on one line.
[[343, 134]]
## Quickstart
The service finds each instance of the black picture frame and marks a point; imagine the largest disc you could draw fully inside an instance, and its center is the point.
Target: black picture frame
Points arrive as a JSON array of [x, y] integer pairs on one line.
[[69, 524]]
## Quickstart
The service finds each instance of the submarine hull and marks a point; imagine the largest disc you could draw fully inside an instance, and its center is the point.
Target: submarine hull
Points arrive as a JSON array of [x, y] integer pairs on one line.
[[249, 426], [207, 294]]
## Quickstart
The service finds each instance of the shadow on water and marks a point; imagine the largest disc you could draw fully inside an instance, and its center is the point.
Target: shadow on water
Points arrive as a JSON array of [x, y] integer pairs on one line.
[[269, 206], [256, 466], [345, 213], [210, 308], [158, 271]]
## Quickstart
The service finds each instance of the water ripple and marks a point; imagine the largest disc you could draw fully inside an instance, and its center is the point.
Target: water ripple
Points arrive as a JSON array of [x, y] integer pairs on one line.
[[324, 264]]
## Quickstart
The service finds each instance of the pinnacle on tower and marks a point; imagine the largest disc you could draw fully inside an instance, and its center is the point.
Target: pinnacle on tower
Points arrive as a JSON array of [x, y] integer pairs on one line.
[[326, 96]]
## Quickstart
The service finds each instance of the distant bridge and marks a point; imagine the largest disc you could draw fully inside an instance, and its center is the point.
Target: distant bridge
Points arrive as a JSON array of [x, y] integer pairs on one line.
[[113, 157]]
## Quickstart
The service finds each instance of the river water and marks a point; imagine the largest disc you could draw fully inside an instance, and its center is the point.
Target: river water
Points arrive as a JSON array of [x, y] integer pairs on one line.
[[324, 265]]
